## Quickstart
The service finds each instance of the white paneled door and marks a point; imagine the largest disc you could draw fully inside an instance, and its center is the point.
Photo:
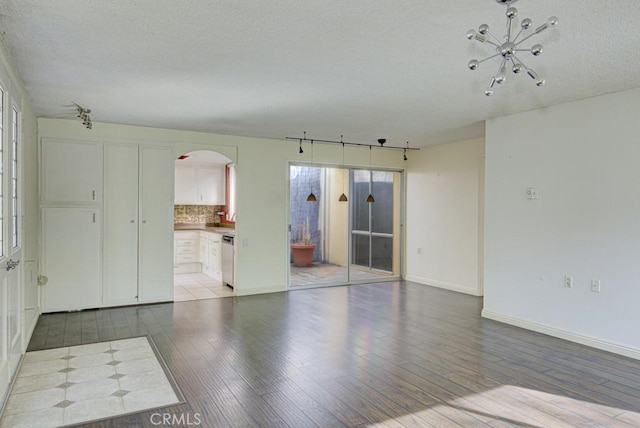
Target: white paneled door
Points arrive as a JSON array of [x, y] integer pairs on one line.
[[10, 241]]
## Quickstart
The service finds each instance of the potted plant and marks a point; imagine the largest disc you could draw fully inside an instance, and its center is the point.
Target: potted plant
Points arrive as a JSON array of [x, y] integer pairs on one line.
[[301, 246]]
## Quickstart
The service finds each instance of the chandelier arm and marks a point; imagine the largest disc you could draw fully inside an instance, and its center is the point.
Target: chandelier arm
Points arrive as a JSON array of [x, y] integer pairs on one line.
[[494, 38], [500, 71], [491, 42], [514, 57], [518, 35], [489, 57], [526, 38]]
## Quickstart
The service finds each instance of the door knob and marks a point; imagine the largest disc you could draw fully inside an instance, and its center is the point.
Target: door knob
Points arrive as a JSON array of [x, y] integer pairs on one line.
[[11, 264]]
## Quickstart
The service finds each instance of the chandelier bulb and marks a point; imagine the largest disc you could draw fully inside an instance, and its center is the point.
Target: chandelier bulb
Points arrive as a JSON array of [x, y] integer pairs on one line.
[[474, 64], [512, 12], [536, 50], [471, 34], [540, 82], [488, 93], [483, 29], [526, 23], [553, 21], [517, 68]]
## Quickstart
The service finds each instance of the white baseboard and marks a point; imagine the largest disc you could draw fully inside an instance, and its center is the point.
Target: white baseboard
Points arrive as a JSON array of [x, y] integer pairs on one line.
[[259, 290], [593, 342], [442, 284]]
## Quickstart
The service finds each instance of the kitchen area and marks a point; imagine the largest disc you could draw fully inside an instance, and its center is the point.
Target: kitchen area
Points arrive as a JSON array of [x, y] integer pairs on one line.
[[204, 226]]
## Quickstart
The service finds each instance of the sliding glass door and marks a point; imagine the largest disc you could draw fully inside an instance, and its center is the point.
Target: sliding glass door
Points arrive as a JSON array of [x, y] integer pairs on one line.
[[372, 230], [334, 241]]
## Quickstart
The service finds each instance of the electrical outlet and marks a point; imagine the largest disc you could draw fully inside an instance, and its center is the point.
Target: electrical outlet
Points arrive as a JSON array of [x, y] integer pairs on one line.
[[595, 285], [568, 281]]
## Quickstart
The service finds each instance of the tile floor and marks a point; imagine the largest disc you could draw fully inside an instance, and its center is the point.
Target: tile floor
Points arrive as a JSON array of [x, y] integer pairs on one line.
[[197, 286], [326, 273], [76, 384]]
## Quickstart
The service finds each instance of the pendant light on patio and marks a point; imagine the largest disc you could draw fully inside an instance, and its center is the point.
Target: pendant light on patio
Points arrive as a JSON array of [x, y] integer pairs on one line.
[[311, 197], [370, 199], [343, 197]]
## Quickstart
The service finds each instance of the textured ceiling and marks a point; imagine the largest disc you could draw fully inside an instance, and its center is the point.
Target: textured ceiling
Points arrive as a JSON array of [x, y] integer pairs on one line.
[[273, 68]]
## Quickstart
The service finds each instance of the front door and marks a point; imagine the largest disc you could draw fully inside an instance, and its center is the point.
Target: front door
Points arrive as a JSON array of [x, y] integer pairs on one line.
[[10, 241]]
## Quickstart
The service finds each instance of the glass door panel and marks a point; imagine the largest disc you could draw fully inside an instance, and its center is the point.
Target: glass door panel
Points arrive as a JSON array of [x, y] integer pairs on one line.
[[318, 247], [375, 225]]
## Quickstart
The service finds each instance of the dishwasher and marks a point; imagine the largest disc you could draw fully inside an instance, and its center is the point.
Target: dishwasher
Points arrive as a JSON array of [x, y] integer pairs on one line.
[[227, 260]]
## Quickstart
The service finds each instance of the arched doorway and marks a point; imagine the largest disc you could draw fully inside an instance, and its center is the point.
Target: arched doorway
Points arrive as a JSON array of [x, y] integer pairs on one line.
[[204, 220]]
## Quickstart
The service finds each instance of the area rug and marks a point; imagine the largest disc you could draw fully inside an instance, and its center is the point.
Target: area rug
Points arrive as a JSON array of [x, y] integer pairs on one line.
[[78, 384]]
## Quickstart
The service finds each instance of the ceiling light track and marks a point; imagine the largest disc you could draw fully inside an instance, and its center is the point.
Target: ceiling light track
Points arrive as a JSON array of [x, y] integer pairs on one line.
[[380, 145]]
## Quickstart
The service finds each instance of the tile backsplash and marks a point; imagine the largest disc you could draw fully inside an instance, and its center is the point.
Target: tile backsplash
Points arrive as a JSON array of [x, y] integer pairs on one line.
[[196, 213]]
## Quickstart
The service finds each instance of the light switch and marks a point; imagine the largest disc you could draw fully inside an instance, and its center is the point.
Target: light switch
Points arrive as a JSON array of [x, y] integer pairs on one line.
[[532, 193]]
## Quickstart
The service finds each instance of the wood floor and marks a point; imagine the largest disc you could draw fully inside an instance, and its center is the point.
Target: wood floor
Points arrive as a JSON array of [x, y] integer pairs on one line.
[[386, 354]]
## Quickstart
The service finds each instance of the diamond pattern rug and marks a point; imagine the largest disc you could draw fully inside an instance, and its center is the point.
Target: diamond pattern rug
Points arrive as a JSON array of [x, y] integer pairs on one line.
[[77, 384]]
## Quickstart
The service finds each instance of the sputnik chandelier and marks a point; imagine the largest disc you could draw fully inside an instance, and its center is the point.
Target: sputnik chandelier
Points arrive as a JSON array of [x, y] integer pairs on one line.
[[506, 49], [83, 114]]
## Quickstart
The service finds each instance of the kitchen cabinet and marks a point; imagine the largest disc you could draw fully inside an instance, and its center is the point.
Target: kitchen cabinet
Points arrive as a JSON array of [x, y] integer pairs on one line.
[[185, 253], [71, 258], [71, 172], [211, 254], [186, 187], [199, 185], [138, 236]]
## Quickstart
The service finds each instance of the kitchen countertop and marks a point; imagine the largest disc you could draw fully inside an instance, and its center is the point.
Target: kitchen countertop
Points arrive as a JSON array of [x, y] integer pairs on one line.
[[206, 227]]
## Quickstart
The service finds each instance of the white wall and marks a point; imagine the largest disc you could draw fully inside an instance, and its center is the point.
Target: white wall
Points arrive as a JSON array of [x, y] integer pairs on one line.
[[444, 201], [262, 241], [583, 157]]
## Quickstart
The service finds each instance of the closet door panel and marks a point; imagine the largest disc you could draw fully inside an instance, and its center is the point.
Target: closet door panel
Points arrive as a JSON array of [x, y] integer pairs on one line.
[[71, 172], [71, 258], [156, 176], [121, 224]]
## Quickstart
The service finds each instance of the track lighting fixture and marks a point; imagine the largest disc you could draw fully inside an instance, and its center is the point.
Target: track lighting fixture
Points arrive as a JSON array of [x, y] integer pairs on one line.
[[381, 142], [83, 114]]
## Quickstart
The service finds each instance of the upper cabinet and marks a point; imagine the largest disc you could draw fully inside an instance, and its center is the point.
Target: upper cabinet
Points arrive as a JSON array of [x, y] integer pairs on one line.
[[199, 185], [63, 161], [186, 185]]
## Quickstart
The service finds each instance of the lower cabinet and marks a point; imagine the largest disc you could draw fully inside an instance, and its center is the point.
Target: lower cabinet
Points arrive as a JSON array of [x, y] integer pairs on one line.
[[198, 251], [211, 254], [185, 251], [71, 258]]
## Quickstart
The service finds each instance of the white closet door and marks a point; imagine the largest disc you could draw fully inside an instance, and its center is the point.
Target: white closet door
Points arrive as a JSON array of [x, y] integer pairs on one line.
[[71, 172], [121, 224], [71, 258], [156, 176]]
